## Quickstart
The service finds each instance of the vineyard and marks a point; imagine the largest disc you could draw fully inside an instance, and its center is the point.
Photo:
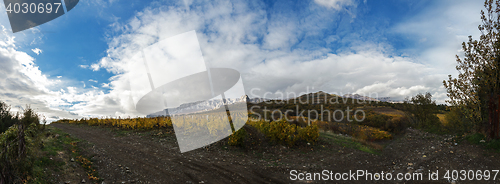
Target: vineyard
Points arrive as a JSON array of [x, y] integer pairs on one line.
[[359, 131], [379, 122], [212, 126]]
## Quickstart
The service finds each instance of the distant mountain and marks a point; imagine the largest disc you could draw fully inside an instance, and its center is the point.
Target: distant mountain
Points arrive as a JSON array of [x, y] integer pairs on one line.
[[360, 97], [208, 105], [380, 99], [201, 106], [256, 100], [389, 99]]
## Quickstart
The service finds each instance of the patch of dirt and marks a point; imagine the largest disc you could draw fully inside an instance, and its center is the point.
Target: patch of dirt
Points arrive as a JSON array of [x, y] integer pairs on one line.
[[72, 171], [135, 158], [69, 172], [142, 159]]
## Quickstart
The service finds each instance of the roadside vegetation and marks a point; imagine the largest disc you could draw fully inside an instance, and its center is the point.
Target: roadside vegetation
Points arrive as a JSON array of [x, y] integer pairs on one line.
[[31, 152], [61, 159], [475, 93], [277, 132], [19, 144]]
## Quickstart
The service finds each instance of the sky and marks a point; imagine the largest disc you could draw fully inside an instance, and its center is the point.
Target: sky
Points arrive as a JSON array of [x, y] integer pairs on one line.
[[75, 66]]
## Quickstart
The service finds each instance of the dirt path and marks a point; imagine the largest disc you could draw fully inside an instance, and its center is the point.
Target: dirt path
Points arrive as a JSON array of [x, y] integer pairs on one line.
[[135, 159], [153, 159]]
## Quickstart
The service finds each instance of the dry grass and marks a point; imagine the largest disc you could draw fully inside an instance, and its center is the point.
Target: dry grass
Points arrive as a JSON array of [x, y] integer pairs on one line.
[[389, 111], [361, 132], [385, 111], [442, 118]]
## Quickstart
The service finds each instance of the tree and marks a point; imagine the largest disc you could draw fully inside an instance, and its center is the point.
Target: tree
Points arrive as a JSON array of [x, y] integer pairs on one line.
[[476, 91], [7, 119], [422, 111]]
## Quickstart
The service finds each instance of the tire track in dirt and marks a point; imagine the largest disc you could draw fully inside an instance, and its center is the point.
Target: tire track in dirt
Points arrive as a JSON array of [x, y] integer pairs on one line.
[[150, 161]]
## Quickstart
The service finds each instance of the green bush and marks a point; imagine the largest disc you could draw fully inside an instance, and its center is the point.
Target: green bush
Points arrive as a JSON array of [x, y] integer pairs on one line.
[[375, 120], [237, 138], [421, 112], [18, 145], [481, 139], [457, 122], [17, 165], [7, 119], [282, 132], [396, 125], [309, 134]]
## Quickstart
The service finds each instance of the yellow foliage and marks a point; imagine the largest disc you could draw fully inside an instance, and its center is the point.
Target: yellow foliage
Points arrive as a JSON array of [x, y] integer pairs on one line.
[[237, 138], [359, 131], [285, 133], [442, 118], [215, 123], [128, 123]]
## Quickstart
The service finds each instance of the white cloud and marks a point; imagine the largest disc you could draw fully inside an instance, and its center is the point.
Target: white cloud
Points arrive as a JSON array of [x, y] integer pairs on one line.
[[37, 51], [22, 83], [360, 71], [243, 37], [441, 32], [228, 35], [95, 67], [335, 4]]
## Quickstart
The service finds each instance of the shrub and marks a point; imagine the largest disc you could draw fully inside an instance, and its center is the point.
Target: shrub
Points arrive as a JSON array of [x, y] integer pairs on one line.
[[17, 148], [376, 120], [282, 132], [237, 138], [309, 134], [7, 119], [457, 121], [422, 111], [397, 125]]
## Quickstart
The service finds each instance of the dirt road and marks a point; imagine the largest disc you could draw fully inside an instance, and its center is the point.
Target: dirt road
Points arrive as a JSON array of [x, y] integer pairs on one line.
[[136, 159]]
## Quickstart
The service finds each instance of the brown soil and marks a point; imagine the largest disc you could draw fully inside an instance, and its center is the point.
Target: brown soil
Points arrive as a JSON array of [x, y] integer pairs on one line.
[[157, 159]]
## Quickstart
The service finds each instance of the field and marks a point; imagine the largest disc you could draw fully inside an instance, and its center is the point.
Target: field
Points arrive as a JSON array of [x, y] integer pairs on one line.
[[269, 150], [153, 156]]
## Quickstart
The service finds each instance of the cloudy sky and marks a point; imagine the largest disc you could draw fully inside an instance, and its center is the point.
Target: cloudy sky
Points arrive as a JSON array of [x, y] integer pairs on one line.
[[75, 65]]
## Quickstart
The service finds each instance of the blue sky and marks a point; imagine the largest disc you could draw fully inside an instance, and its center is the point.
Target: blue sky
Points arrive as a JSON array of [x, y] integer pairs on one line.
[[393, 48]]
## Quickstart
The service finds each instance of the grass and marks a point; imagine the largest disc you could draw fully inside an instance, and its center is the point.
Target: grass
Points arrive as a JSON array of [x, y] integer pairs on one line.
[[437, 129], [389, 111], [56, 141], [352, 143], [120, 132], [477, 137], [44, 163]]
